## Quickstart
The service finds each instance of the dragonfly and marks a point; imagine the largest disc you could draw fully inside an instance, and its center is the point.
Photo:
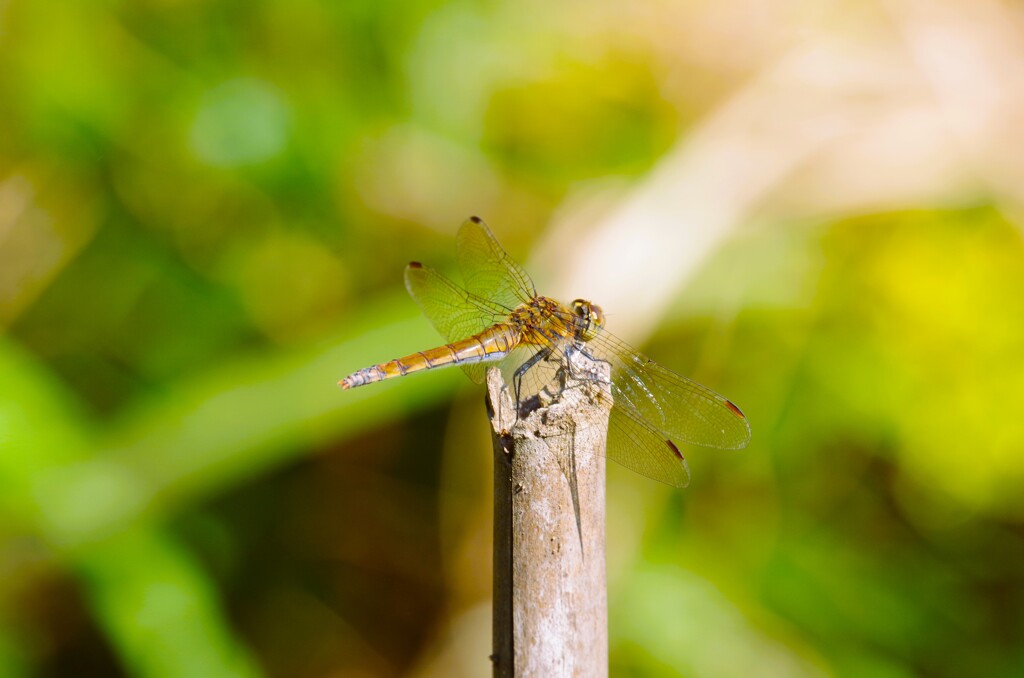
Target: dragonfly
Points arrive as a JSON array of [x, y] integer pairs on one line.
[[496, 318]]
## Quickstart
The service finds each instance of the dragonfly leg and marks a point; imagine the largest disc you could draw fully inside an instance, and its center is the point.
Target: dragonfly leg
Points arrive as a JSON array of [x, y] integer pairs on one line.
[[517, 376]]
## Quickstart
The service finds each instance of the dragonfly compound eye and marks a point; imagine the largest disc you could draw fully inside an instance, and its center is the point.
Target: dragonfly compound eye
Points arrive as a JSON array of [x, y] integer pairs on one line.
[[591, 316]]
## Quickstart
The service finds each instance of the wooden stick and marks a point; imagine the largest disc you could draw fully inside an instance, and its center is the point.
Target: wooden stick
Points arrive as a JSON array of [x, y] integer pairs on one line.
[[550, 598]]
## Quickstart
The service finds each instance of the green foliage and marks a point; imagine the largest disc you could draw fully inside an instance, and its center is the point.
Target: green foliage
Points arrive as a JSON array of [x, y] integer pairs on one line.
[[205, 210]]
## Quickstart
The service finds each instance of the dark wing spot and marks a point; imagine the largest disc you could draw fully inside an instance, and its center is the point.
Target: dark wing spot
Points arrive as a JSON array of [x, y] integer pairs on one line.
[[415, 264], [675, 450], [735, 410], [476, 220]]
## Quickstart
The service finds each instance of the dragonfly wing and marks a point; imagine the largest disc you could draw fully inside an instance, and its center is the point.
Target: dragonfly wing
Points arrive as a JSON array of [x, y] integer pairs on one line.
[[669, 402], [633, 443], [487, 269], [453, 311]]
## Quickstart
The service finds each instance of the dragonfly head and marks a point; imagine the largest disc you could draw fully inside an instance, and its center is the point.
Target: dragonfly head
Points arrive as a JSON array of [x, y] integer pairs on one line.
[[591, 318]]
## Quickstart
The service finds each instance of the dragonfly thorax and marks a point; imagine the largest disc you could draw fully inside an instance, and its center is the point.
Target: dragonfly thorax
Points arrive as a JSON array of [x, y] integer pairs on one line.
[[590, 318]]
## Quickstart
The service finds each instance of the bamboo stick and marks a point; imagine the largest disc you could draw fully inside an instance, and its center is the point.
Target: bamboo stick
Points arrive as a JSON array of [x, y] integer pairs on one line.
[[550, 598]]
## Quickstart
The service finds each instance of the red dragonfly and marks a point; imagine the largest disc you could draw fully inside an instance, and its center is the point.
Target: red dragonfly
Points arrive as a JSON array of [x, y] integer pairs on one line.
[[498, 318]]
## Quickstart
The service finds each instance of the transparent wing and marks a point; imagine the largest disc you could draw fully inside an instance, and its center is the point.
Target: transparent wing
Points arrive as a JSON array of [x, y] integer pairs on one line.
[[652, 406], [487, 269], [668, 402], [633, 443], [453, 311]]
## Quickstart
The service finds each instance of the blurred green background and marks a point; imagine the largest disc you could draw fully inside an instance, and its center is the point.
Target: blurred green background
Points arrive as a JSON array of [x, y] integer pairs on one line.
[[205, 208]]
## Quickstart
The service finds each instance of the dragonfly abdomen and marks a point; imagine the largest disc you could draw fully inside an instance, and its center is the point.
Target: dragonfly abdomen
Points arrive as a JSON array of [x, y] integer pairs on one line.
[[492, 344]]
